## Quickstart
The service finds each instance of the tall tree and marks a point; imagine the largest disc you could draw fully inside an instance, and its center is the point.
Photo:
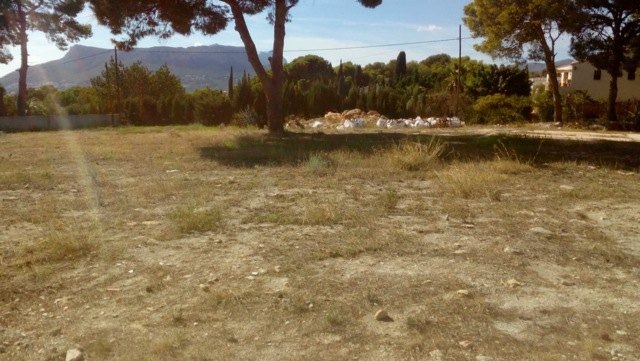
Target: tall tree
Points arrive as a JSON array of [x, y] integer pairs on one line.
[[608, 36], [140, 18], [512, 27], [55, 18], [401, 65], [341, 86]]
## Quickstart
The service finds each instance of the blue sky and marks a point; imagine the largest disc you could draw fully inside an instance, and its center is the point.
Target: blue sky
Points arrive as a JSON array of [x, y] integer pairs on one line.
[[320, 24]]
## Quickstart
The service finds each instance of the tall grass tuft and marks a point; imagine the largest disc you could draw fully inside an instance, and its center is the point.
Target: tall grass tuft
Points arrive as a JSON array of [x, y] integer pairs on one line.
[[415, 156], [320, 163], [190, 219]]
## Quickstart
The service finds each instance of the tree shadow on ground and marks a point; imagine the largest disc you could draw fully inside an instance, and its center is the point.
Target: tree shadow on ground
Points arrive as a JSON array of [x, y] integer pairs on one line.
[[247, 151]]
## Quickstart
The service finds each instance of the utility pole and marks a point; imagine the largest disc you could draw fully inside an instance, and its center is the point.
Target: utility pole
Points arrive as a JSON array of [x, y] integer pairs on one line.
[[459, 73], [119, 108]]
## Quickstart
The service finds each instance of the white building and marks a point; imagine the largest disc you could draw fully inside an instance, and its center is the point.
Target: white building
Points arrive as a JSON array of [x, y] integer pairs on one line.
[[584, 76]]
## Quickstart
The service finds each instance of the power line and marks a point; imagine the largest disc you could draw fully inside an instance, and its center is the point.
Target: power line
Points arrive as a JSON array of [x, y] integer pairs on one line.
[[286, 51], [375, 46], [86, 57]]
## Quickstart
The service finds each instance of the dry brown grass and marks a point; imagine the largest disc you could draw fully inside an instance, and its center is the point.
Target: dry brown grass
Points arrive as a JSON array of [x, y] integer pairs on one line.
[[199, 243], [414, 156]]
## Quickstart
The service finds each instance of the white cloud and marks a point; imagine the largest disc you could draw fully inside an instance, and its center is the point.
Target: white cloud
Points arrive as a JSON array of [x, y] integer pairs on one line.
[[428, 28]]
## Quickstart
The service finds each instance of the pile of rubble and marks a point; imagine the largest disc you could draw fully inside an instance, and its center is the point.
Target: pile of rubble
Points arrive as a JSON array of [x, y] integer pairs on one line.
[[357, 118]]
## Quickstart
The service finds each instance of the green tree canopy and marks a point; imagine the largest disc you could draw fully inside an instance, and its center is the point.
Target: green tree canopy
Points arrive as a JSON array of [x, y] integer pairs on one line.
[[55, 18], [510, 29], [136, 19], [310, 67], [607, 35]]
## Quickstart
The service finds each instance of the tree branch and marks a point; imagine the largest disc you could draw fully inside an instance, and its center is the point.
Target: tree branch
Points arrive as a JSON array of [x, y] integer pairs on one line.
[[250, 47]]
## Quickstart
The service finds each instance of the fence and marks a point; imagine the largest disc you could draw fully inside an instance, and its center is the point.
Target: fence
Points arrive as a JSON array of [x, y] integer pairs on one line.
[[57, 122]]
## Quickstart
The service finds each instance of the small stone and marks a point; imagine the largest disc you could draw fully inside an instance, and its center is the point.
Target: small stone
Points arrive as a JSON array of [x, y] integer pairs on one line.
[[204, 288], [277, 269], [540, 230], [511, 250], [465, 344], [621, 333], [566, 187], [383, 316], [74, 355], [463, 293], [513, 283], [483, 358], [255, 273], [436, 355]]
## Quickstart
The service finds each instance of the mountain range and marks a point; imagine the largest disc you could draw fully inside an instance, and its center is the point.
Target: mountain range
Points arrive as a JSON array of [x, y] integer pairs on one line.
[[197, 66], [539, 68]]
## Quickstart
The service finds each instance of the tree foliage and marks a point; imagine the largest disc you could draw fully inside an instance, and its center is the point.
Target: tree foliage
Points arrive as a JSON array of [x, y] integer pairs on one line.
[[55, 18], [607, 34], [136, 19], [511, 29]]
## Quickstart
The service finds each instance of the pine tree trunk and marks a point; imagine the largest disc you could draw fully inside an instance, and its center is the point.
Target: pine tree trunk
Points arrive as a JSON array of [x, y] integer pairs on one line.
[[273, 83], [275, 114], [24, 61], [274, 92], [550, 62]]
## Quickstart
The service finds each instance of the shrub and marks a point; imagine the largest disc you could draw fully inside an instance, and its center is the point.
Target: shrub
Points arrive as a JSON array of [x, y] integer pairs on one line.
[[320, 163], [543, 103], [211, 107], [414, 156], [499, 108], [246, 118]]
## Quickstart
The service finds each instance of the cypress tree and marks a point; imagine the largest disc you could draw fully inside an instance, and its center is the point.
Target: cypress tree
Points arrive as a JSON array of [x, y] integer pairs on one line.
[[341, 86], [230, 92], [401, 65]]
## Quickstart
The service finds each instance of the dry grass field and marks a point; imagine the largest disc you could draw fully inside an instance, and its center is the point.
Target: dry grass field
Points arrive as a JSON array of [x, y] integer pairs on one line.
[[192, 243]]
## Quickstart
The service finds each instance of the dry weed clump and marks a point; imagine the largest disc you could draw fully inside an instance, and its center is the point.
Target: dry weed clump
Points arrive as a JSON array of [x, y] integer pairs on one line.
[[415, 156], [191, 219], [483, 178], [320, 163], [62, 245]]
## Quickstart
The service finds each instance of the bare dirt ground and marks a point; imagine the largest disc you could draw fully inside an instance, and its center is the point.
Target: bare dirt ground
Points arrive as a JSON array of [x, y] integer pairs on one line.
[[191, 243]]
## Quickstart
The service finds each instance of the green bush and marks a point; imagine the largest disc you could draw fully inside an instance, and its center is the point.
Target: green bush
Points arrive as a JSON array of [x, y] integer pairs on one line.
[[543, 103], [211, 107], [499, 108], [246, 118]]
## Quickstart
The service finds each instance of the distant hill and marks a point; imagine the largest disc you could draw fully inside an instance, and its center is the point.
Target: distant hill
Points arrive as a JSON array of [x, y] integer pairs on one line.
[[541, 67], [197, 66]]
